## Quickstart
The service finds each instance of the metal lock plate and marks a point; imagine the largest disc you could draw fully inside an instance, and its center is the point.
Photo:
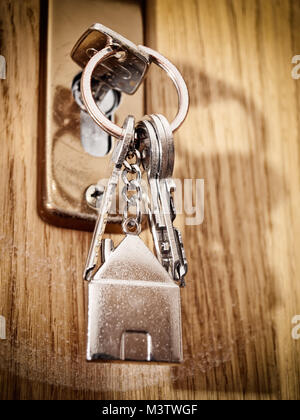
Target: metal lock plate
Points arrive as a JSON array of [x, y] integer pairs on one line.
[[65, 168], [125, 72]]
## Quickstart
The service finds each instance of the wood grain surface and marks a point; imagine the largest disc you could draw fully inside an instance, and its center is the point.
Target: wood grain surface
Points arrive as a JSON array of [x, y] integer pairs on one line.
[[242, 138]]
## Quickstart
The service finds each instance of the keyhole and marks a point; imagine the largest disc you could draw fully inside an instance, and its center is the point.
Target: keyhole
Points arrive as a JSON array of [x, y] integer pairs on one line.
[[94, 140]]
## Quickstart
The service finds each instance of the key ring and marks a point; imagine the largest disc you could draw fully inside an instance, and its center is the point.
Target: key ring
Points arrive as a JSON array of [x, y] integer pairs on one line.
[[155, 57]]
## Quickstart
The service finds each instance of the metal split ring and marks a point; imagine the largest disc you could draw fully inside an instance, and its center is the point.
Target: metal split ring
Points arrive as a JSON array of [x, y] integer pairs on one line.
[[155, 57], [131, 226]]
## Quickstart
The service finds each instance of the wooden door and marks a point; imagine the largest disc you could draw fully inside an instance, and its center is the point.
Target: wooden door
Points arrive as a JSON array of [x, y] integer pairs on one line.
[[242, 138]]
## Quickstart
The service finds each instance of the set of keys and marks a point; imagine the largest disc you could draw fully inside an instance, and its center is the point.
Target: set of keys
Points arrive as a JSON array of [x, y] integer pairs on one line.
[[134, 296]]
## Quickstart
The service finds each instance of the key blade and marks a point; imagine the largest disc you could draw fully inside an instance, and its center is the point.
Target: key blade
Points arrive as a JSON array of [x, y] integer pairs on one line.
[[166, 211], [120, 152], [100, 225]]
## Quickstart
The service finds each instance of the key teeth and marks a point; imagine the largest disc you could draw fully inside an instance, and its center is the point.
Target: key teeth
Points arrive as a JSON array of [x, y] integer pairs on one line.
[[183, 263], [107, 247], [88, 273], [182, 283]]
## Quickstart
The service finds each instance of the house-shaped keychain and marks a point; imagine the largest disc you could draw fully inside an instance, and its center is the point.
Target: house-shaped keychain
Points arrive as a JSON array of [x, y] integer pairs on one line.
[[134, 307]]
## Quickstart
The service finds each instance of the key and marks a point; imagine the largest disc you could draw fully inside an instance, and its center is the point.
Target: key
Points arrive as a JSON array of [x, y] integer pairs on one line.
[[124, 71], [166, 147], [167, 188], [118, 157], [151, 162], [157, 141], [157, 166]]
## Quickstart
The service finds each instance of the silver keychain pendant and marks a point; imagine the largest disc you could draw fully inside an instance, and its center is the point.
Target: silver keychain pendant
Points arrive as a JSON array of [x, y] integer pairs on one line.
[[134, 308]]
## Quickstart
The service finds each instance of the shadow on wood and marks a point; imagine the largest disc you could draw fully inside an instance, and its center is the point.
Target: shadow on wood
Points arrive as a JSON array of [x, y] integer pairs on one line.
[[225, 329]]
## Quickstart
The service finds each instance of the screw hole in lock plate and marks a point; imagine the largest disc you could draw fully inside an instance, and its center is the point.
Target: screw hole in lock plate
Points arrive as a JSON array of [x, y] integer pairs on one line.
[[66, 168], [94, 195]]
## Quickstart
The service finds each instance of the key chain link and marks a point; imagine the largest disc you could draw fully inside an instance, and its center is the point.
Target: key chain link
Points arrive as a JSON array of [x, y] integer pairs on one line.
[[132, 224]]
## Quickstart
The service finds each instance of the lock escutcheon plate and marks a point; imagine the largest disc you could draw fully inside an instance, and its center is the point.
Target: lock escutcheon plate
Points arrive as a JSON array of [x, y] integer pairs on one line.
[[65, 169]]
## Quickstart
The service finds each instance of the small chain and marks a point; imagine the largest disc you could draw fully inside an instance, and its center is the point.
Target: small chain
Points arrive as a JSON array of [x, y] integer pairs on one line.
[[132, 193]]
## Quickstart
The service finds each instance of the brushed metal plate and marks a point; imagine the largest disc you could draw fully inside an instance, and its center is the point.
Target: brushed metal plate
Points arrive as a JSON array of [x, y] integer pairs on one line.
[[65, 169]]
